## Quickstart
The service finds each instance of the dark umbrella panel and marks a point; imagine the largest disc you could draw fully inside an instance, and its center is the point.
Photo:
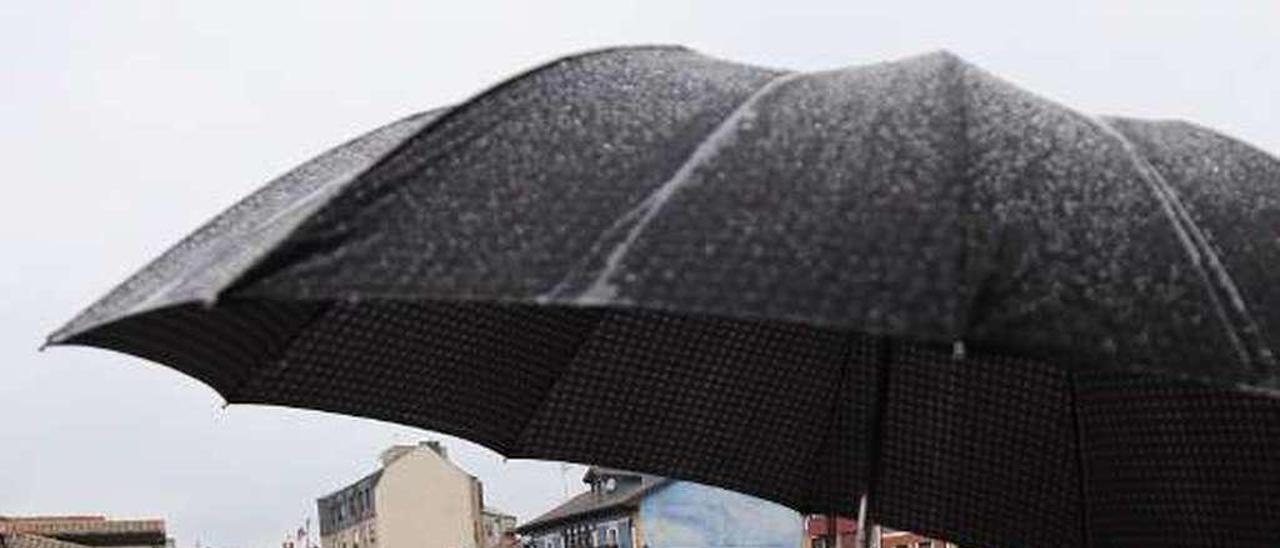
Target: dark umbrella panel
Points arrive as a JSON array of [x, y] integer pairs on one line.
[[1011, 323]]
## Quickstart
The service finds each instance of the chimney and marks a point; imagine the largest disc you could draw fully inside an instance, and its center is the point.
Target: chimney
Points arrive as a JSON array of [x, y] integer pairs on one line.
[[436, 446]]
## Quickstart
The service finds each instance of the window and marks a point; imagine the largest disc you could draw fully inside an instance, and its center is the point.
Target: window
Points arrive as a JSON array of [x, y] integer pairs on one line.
[[924, 544], [611, 536]]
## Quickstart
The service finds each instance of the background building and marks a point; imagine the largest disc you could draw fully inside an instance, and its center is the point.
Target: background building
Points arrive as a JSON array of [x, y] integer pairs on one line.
[[904, 539], [418, 499], [629, 510], [818, 530], [80, 531], [497, 524]]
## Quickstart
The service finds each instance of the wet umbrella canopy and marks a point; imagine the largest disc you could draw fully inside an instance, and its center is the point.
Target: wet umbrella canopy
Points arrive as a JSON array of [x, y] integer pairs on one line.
[[1012, 323]]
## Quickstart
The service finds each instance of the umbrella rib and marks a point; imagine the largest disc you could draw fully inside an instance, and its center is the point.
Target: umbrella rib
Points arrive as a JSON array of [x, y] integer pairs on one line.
[[969, 286], [602, 288], [1208, 265], [286, 220]]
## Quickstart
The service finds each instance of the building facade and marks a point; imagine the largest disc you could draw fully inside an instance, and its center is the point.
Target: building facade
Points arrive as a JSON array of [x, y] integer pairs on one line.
[[497, 526], [818, 531], [417, 499], [629, 510], [904, 539]]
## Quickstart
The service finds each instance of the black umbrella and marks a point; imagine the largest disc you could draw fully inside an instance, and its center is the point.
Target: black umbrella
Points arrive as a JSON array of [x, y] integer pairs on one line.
[[1011, 323]]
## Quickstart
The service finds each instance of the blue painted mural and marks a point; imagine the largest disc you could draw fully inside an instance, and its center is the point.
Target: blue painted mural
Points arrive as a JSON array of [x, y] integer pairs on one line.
[[689, 515]]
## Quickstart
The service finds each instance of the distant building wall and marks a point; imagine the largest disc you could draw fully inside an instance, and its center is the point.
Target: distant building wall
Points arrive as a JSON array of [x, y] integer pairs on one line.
[[600, 532], [903, 539], [418, 499], [424, 501], [495, 526], [685, 515], [348, 517], [615, 533], [818, 531]]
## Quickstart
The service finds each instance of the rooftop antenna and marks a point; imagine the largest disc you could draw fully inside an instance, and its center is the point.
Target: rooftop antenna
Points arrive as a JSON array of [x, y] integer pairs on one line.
[[564, 479]]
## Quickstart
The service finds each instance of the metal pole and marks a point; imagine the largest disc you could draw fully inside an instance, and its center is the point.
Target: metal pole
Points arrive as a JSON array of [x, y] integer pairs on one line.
[[875, 431], [864, 536]]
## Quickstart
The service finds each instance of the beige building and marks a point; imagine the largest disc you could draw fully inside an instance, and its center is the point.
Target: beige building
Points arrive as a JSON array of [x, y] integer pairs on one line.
[[418, 499]]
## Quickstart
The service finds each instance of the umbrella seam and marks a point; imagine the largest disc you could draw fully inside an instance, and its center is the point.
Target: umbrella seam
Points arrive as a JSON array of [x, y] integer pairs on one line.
[[601, 290], [278, 362], [886, 351], [1213, 275], [833, 414], [1082, 474], [601, 317]]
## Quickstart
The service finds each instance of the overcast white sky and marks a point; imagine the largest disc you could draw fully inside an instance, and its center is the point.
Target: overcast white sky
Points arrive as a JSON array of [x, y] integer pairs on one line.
[[124, 125]]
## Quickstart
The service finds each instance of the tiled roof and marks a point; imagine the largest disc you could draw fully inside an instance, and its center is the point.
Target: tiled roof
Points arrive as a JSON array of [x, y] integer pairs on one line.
[[496, 512], [369, 481], [627, 496], [34, 519], [92, 530], [23, 540], [80, 526]]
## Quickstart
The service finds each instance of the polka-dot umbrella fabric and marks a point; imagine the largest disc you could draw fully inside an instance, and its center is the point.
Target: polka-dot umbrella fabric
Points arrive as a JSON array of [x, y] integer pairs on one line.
[[1013, 324]]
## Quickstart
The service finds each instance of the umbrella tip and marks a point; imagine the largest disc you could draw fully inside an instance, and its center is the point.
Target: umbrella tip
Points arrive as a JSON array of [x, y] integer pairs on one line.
[[209, 300], [49, 341]]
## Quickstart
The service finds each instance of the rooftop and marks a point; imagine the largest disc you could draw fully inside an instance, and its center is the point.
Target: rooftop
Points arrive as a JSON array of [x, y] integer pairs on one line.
[[23, 540], [67, 531], [491, 511], [626, 496]]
